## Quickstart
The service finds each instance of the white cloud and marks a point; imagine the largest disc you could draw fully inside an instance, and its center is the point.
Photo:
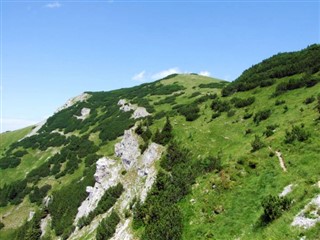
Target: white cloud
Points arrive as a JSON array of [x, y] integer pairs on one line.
[[53, 5], [10, 124], [205, 73], [140, 76], [165, 73]]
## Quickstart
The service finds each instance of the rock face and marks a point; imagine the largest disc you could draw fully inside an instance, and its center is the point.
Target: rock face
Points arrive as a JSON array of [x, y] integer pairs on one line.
[[309, 216], [84, 113], [152, 154], [128, 149], [137, 181], [125, 106], [106, 176], [44, 223], [139, 112], [122, 232], [72, 101]]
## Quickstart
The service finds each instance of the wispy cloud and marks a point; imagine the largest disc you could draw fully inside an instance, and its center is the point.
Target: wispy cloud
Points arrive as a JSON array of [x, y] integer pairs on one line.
[[53, 5], [165, 73], [205, 73], [140, 77], [10, 124]]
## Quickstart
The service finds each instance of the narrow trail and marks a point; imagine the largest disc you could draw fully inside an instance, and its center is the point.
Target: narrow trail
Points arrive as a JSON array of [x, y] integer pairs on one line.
[[281, 160]]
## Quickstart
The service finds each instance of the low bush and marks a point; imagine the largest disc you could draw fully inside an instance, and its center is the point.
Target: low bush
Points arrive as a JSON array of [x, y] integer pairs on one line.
[[273, 207], [256, 144], [107, 226], [261, 116], [297, 133]]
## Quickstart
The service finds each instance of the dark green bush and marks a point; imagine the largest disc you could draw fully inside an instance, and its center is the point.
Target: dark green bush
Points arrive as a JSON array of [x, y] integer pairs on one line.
[[273, 207], [279, 102], [1, 225], [278, 66], [261, 116], [256, 144], [309, 100], [270, 130], [9, 162], [240, 103], [107, 226], [220, 106], [247, 115], [165, 135], [215, 115], [213, 85], [297, 133]]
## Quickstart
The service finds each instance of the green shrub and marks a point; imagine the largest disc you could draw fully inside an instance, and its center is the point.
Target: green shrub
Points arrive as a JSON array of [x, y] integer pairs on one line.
[[297, 133], [107, 226], [165, 135], [240, 103], [247, 115], [215, 115], [256, 144], [309, 100], [213, 85], [220, 106], [279, 102], [261, 116], [231, 113], [273, 207], [1, 225], [270, 130]]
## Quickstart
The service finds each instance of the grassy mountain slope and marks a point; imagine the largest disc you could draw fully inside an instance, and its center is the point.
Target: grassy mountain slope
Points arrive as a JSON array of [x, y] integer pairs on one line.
[[226, 162]]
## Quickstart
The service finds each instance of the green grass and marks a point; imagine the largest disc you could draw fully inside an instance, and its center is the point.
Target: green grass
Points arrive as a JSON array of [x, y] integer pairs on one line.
[[10, 137], [246, 177]]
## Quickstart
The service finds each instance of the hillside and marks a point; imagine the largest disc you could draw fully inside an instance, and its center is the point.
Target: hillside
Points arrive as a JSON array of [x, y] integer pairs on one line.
[[185, 157]]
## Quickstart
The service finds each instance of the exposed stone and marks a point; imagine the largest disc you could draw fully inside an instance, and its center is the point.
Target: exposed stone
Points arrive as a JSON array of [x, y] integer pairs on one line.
[[44, 224], [140, 112], [31, 214], [122, 231], [312, 209], [85, 112], [286, 190], [107, 175], [128, 149], [82, 97]]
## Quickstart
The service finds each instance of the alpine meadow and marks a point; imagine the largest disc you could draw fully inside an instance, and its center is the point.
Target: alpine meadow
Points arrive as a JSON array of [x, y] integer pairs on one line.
[[184, 157]]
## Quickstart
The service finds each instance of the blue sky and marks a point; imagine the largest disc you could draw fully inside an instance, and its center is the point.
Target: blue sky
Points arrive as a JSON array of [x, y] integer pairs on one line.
[[54, 50]]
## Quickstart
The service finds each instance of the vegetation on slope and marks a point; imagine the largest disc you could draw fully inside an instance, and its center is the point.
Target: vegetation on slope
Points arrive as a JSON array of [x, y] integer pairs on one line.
[[220, 176]]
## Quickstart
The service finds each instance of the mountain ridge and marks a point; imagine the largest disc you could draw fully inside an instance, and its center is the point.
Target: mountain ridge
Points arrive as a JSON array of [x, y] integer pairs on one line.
[[218, 177]]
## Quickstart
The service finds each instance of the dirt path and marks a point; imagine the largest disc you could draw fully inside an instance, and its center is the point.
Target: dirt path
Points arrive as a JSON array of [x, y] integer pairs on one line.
[[281, 160]]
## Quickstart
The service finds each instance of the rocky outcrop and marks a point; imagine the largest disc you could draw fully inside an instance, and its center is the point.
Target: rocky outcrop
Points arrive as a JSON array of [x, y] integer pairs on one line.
[[309, 216], [126, 106], [139, 112], [148, 169], [107, 175], [82, 97], [128, 149], [44, 223], [122, 232], [84, 113]]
